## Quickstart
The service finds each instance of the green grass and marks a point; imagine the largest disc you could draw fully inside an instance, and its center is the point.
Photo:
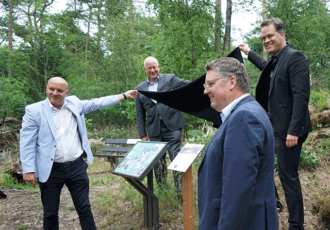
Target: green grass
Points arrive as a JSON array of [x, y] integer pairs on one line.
[[7, 181], [319, 98], [22, 227]]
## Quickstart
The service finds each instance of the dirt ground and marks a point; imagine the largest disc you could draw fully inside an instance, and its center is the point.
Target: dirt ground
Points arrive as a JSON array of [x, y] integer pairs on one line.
[[23, 208]]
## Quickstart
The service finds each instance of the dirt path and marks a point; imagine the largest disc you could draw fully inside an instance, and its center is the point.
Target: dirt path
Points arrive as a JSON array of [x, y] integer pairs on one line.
[[23, 208]]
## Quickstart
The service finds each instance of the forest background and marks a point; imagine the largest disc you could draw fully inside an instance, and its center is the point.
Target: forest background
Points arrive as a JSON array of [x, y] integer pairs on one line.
[[99, 47], [36, 45]]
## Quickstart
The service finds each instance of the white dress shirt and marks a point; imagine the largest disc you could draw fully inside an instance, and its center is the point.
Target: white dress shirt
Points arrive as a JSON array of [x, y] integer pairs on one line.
[[68, 146]]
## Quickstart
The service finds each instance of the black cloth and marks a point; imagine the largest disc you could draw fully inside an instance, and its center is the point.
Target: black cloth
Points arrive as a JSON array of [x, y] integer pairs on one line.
[[190, 98], [74, 176]]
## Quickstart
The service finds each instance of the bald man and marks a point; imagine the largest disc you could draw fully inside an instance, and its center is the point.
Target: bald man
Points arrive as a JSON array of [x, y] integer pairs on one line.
[[53, 140], [164, 123]]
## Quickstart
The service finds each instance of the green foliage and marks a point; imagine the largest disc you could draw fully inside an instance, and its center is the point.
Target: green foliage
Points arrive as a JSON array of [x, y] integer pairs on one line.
[[319, 98], [307, 26], [309, 159], [7, 181]]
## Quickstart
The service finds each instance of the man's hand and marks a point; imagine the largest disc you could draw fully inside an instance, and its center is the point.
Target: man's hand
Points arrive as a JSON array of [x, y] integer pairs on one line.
[[131, 94], [30, 178], [244, 48], [291, 140], [144, 138]]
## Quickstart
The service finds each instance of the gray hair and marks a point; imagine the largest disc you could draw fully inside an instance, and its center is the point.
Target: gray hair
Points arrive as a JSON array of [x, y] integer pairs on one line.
[[150, 57], [277, 22], [227, 67]]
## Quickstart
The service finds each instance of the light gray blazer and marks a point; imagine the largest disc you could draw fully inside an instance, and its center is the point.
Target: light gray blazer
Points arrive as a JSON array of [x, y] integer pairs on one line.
[[38, 137]]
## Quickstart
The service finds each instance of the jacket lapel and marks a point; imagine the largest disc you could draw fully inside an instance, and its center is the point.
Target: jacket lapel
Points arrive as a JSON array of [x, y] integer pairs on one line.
[[49, 116], [241, 102], [277, 67], [160, 83]]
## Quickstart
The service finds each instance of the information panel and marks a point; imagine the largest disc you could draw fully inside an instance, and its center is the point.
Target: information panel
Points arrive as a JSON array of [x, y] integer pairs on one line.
[[141, 159], [185, 157]]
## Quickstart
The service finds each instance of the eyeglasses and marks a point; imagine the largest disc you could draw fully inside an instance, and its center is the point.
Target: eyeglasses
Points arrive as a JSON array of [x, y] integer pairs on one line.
[[207, 85]]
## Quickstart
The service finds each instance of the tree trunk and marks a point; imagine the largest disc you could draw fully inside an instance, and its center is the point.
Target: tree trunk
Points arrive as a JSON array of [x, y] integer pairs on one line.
[[264, 16], [87, 38], [217, 29], [226, 45], [10, 38]]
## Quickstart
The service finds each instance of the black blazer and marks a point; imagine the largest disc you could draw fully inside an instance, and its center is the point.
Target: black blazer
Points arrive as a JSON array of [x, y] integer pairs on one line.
[[288, 92], [172, 118]]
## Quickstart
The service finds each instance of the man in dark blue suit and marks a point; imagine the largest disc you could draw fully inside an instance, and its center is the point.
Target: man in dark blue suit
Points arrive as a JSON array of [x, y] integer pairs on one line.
[[236, 175]]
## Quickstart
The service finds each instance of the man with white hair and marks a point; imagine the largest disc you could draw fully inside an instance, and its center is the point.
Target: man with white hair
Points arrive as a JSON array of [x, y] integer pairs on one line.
[[164, 123]]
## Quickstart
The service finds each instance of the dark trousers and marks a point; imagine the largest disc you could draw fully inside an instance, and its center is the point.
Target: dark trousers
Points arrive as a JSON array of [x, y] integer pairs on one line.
[[288, 162], [174, 140], [74, 176]]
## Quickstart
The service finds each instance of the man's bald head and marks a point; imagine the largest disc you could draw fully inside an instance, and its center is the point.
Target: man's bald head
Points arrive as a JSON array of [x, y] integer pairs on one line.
[[57, 90]]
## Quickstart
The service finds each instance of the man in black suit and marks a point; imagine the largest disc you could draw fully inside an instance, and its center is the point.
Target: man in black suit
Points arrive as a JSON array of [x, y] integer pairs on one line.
[[283, 91], [164, 123]]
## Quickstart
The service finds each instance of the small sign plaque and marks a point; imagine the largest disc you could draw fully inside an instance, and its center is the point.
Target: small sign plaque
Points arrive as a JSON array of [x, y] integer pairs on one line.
[[186, 157]]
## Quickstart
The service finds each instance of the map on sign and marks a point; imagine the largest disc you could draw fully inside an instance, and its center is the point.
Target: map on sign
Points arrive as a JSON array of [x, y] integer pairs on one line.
[[141, 159], [185, 157]]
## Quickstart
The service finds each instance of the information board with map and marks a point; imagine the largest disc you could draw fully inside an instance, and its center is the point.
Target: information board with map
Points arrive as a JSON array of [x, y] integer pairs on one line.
[[141, 159]]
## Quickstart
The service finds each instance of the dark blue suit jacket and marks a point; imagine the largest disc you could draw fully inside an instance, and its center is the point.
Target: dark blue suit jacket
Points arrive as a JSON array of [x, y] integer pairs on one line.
[[236, 175]]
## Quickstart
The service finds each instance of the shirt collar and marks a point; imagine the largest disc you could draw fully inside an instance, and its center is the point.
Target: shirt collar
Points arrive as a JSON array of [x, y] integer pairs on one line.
[[227, 110], [154, 82], [65, 105], [279, 54]]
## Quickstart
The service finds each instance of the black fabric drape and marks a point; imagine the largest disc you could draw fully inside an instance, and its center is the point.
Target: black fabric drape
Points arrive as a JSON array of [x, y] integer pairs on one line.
[[190, 98]]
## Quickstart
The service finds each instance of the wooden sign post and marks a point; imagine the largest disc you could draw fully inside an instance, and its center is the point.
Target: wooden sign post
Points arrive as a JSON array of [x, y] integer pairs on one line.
[[187, 195], [183, 163]]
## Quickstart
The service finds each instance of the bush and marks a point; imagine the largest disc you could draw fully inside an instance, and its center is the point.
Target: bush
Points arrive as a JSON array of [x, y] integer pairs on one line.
[[319, 98], [309, 159]]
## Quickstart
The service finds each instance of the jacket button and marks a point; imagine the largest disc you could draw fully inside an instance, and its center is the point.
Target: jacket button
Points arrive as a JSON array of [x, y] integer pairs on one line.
[[51, 159]]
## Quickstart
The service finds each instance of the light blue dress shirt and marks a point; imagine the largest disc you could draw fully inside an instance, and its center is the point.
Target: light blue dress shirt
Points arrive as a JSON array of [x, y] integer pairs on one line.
[[227, 110], [153, 86]]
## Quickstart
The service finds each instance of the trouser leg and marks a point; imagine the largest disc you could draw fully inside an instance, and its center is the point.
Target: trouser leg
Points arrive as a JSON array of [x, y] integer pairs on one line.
[[78, 185], [50, 198], [174, 139], [288, 162]]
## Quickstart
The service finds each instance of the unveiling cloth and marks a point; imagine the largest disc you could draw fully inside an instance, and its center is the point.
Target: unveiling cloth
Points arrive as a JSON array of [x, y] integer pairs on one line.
[[190, 98]]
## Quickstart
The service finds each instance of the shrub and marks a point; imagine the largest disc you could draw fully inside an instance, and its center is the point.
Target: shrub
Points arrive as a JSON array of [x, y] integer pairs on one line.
[[319, 98]]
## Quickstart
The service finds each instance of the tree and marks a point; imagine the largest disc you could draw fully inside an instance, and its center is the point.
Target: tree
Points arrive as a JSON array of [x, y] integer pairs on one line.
[[226, 45], [218, 26]]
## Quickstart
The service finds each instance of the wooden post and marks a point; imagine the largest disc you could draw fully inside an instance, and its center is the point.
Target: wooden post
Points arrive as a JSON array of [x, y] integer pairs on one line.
[[187, 195]]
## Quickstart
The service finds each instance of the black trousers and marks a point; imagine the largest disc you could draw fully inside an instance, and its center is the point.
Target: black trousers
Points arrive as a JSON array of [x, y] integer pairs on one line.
[[288, 162], [174, 140], [74, 176]]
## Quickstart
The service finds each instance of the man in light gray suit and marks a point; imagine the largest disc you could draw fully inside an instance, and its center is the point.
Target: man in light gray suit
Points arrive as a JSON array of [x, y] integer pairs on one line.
[[164, 123], [53, 140]]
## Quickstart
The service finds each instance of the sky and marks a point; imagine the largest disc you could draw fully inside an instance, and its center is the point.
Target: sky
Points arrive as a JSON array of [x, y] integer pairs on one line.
[[241, 19]]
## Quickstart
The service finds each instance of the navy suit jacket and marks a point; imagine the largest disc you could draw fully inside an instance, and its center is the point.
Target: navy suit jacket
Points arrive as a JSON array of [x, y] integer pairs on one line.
[[236, 176]]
